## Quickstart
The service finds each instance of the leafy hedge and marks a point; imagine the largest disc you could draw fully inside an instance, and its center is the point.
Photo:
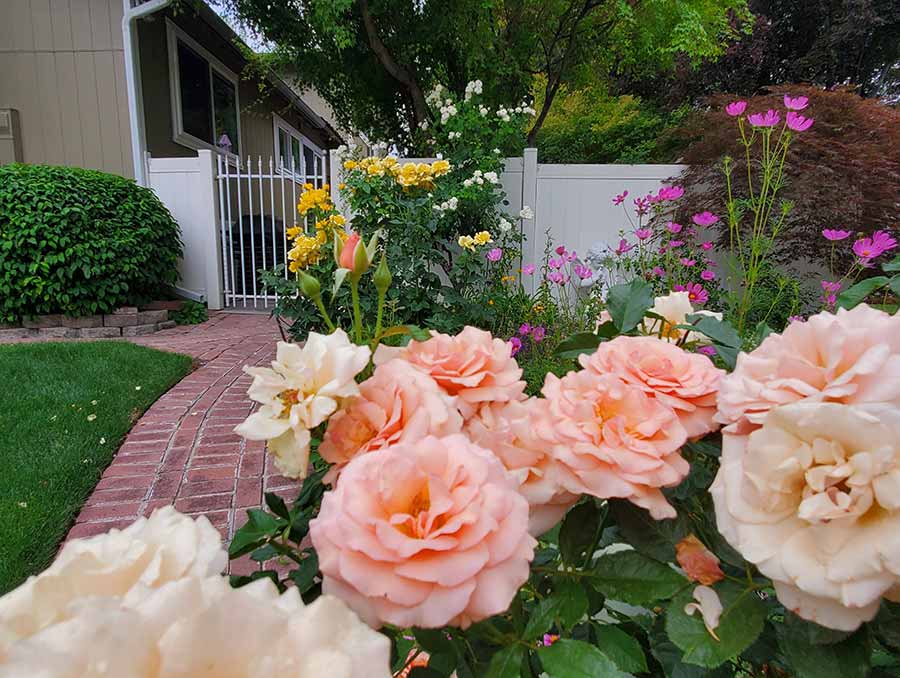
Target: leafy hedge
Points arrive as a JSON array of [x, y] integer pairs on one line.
[[80, 242]]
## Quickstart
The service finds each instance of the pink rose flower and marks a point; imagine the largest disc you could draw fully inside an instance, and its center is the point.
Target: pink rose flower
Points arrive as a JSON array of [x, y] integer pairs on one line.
[[428, 534], [852, 357], [614, 440], [685, 382], [398, 403], [509, 431], [473, 365]]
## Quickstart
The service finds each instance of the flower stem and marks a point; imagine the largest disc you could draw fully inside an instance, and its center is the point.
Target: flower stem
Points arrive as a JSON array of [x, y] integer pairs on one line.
[[357, 315]]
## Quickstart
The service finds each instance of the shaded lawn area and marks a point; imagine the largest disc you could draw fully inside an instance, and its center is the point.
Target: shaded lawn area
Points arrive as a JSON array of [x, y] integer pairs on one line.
[[64, 410]]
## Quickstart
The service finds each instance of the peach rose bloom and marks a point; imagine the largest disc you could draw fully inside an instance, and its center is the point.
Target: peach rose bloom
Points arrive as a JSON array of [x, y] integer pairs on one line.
[[509, 431], [686, 382], [473, 365], [850, 357], [398, 403], [812, 498], [424, 534], [614, 439]]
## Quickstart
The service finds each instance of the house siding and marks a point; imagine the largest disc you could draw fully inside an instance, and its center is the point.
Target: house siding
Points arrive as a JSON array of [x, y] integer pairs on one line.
[[62, 67]]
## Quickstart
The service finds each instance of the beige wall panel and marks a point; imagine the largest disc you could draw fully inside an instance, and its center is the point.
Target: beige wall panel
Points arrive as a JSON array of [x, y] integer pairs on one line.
[[80, 11], [124, 123], [51, 109], [23, 96], [88, 110], [15, 30], [61, 23], [41, 27], [110, 136], [67, 91], [115, 23], [102, 30]]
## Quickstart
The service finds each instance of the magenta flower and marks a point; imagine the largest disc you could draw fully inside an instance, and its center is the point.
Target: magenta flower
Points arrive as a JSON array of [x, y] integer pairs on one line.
[[797, 122], [641, 205], [706, 218], [869, 248], [796, 319], [524, 329], [831, 286], [708, 275], [797, 104], [736, 108], [709, 351], [619, 199], [834, 234], [688, 262], [583, 271], [706, 245], [659, 272], [572, 256], [696, 293], [561, 250], [516, 344], [676, 243], [623, 247], [549, 639], [678, 288], [494, 254], [672, 227], [643, 233], [556, 277], [768, 119], [670, 193], [538, 333], [555, 263], [528, 269]]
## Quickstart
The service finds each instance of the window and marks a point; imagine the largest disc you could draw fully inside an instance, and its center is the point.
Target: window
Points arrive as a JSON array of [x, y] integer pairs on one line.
[[297, 155], [205, 107]]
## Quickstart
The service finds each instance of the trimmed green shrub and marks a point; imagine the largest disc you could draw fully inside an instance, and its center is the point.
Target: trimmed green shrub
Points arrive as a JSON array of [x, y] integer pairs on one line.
[[80, 242]]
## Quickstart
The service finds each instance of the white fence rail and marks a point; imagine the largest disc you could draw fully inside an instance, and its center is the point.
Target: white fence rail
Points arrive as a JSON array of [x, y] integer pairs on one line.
[[234, 217]]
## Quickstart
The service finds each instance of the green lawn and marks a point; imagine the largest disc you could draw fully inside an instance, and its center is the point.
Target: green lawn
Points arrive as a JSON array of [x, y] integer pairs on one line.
[[64, 410]]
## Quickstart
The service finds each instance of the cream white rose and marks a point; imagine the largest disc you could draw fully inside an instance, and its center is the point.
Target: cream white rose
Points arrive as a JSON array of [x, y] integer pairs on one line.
[[812, 498], [674, 308], [302, 389]]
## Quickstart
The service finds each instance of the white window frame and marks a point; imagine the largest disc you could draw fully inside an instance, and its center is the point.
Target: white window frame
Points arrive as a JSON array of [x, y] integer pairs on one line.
[[280, 123], [173, 34]]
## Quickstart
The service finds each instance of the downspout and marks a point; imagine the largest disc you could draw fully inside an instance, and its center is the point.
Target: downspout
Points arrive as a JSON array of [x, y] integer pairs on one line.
[[133, 80]]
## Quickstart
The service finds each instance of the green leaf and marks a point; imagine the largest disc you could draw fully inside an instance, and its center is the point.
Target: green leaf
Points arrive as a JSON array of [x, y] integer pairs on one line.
[[810, 633], [506, 663], [277, 506], [577, 659], [634, 578], [720, 331], [574, 602], [264, 553], [575, 345], [543, 617], [434, 641], [742, 620], [760, 332], [580, 528], [623, 649], [311, 490], [627, 303], [855, 295], [893, 265], [846, 659], [894, 284], [655, 538], [887, 624], [304, 576], [669, 657]]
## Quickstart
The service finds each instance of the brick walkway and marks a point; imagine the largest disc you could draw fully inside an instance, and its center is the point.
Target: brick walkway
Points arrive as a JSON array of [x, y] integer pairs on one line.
[[183, 451]]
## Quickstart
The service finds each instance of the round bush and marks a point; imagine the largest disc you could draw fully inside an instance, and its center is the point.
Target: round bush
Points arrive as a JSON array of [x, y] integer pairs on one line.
[[80, 242]]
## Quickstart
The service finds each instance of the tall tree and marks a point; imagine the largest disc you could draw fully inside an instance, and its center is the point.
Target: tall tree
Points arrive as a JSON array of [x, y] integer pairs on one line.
[[374, 60]]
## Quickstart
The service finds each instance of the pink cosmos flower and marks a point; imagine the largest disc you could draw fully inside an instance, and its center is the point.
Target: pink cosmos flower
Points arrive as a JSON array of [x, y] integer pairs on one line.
[[583, 271], [876, 245], [398, 403], [549, 639], [473, 366], [659, 272], [795, 104], [797, 122], [708, 275], [768, 119], [524, 329], [706, 350], [561, 250], [516, 344], [643, 233], [796, 319], [704, 218], [829, 292], [706, 245], [641, 205], [555, 263], [511, 431], [675, 243], [619, 199], [572, 256], [672, 227], [835, 234], [736, 108], [427, 534], [557, 277], [538, 333], [670, 193], [696, 293], [683, 381], [528, 269], [494, 254], [688, 262], [614, 440], [623, 247], [678, 288]]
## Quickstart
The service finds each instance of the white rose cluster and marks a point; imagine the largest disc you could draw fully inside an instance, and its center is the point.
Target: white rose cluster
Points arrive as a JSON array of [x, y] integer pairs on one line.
[[480, 178], [149, 602], [448, 110], [449, 205], [454, 135], [526, 213], [504, 225], [503, 114], [484, 110], [435, 96], [472, 88]]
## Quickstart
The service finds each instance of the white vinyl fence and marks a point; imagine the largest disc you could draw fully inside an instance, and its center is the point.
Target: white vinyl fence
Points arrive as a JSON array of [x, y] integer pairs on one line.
[[233, 217]]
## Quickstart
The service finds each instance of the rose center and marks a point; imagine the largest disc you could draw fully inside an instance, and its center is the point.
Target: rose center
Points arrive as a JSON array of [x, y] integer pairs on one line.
[[288, 398]]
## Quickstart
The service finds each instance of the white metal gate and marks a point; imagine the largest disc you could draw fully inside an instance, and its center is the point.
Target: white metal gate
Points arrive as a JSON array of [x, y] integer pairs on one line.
[[257, 204]]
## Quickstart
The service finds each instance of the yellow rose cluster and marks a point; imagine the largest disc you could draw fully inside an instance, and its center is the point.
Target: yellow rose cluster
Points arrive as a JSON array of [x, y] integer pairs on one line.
[[307, 249], [315, 198], [408, 175], [470, 242]]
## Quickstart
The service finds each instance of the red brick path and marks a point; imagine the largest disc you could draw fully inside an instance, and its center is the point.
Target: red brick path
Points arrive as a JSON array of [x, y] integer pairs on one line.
[[183, 450]]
